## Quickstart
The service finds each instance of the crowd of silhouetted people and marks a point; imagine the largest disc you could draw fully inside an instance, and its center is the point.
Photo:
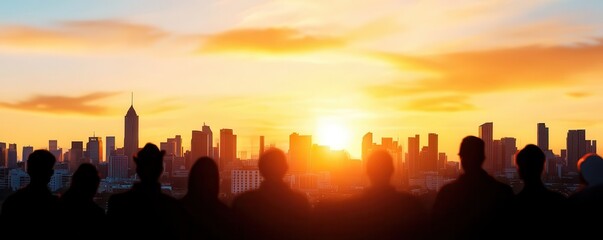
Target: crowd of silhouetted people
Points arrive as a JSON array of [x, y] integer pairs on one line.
[[474, 206]]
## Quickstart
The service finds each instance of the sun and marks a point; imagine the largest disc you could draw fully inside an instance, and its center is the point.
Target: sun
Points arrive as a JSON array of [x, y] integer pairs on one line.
[[332, 133]]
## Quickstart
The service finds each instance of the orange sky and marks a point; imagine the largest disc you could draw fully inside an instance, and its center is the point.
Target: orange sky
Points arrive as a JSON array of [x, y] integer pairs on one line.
[[271, 67]]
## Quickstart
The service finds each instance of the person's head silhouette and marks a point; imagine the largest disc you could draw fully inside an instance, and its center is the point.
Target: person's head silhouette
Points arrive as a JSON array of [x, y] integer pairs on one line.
[[530, 162], [40, 166], [149, 163], [380, 167], [204, 179], [85, 180], [591, 169], [273, 164], [472, 153]]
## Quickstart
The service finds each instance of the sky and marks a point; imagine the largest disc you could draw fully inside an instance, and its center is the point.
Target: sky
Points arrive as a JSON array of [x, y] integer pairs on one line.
[[334, 70]]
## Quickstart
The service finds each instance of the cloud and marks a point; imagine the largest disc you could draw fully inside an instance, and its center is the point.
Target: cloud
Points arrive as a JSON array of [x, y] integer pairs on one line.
[[492, 70], [440, 104], [268, 40], [579, 94], [96, 35], [63, 105]]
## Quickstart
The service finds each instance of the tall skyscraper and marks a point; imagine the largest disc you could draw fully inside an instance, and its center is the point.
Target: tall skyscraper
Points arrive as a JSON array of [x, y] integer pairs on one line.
[[486, 134], [3, 154], [12, 155], [53, 145], [201, 144], [94, 150], [26, 151], [228, 149], [509, 148], [367, 145], [261, 145], [413, 155], [109, 146], [432, 152], [76, 155], [131, 137], [542, 137], [178, 140], [300, 150], [442, 161], [576, 148]]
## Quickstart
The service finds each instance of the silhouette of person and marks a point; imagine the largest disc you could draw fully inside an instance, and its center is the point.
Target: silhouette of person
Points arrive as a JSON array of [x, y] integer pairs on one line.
[[585, 205], [273, 211], [212, 219], [81, 214], [33, 209], [144, 212], [474, 206], [380, 212], [535, 206]]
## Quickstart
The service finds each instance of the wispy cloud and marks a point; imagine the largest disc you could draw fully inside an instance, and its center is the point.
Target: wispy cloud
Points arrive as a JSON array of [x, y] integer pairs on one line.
[[440, 104], [579, 94], [268, 40], [84, 105], [493, 70], [95, 35]]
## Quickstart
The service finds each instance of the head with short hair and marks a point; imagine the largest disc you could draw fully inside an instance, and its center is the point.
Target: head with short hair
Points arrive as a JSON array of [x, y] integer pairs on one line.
[[204, 178], [40, 164], [472, 153], [530, 162], [380, 167], [273, 164], [149, 163], [591, 169]]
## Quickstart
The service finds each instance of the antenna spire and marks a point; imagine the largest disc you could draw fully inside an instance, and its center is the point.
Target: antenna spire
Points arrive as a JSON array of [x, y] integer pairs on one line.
[[132, 99]]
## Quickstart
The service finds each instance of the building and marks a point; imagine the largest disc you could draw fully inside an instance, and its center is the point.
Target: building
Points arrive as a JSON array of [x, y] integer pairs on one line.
[[413, 155], [367, 145], [109, 147], [576, 148], [245, 180], [432, 152], [11, 156], [18, 179], [94, 150], [131, 137], [3, 155], [57, 181], [118, 167], [261, 146], [509, 148], [542, 136], [228, 149], [201, 144], [442, 161], [26, 151], [53, 147], [486, 134], [300, 151], [76, 155]]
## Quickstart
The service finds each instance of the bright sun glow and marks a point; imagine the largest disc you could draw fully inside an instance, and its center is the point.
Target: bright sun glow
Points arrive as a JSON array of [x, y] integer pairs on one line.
[[332, 133]]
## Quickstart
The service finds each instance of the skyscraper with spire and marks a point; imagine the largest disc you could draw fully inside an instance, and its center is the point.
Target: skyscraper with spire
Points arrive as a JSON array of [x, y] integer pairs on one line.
[[131, 136]]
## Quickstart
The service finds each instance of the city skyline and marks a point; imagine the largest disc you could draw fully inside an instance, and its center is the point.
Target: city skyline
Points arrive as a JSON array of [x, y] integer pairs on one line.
[[271, 67]]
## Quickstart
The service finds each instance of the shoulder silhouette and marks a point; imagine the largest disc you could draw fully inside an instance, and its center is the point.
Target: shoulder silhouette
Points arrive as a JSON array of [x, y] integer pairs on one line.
[[144, 212], [33, 209], [474, 206], [535, 206], [78, 208], [585, 205], [212, 219], [273, 211], [380, 212]]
